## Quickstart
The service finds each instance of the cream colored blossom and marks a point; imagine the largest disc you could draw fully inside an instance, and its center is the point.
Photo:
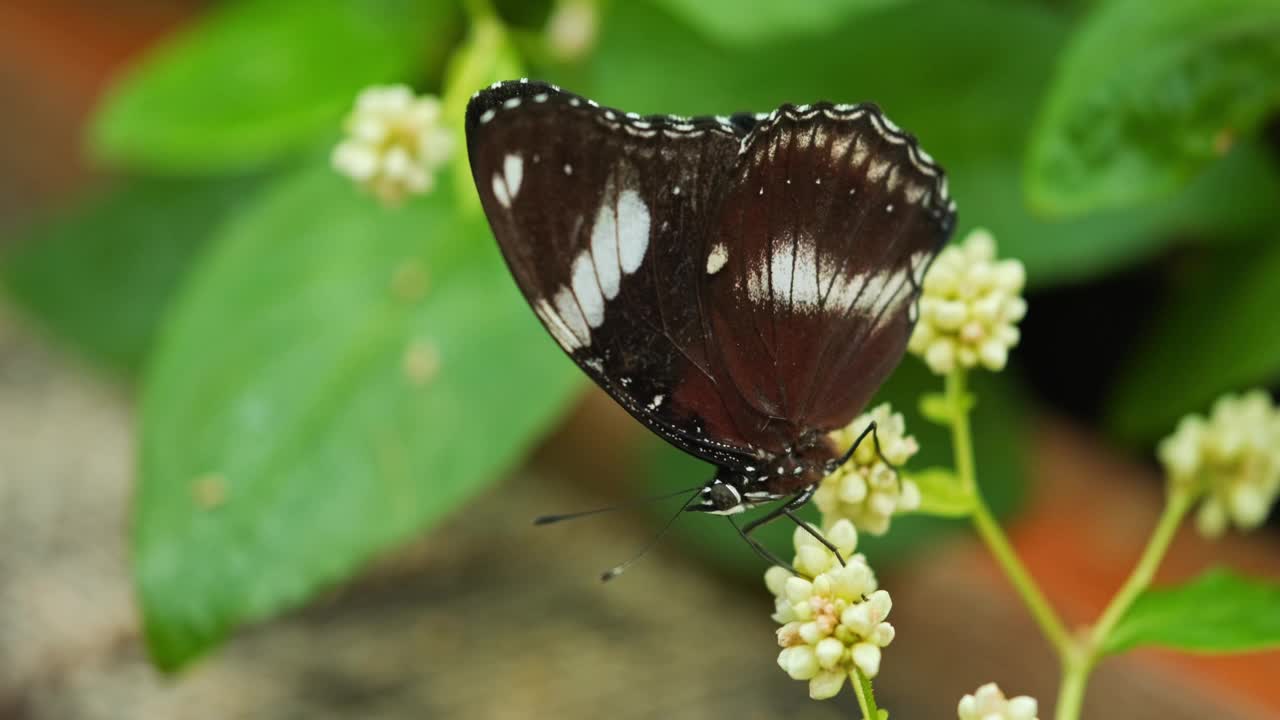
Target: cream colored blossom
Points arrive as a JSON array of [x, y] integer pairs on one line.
[[865, 489], [572, 29], [989, 703], [1233, 457], [395, 142], [833, 619], [970, 307]]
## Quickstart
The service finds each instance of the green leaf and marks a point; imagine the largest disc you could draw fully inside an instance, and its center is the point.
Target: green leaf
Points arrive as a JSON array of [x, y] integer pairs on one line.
[[940, 493], [1143, 100], [1218, 612], [942, 71], [727, 21], [999, 431], [258, 79], [101, 276], [336, 377], [1216, 333]]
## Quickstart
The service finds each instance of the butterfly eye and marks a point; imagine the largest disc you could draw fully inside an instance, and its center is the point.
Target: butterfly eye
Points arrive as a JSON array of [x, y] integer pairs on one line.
[[724, 496]]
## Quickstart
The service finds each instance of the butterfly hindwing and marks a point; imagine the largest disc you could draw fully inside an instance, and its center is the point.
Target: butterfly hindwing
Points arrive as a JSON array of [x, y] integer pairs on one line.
[[833, 218]]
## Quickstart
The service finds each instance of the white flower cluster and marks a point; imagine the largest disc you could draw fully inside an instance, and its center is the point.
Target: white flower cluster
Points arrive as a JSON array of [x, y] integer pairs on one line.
[[865, 489], [989, 703], [833, 623], [970, 307], [1233, 457], [395, 142], [572, 29]]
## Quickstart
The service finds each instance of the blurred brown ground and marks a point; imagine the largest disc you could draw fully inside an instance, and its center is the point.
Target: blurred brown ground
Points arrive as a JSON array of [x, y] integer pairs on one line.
[[485, 617]]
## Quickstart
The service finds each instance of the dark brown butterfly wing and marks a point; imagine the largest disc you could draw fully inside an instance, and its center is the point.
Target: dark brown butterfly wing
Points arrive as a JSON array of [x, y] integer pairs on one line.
[[829, 225], [733, 282], [602, 217]]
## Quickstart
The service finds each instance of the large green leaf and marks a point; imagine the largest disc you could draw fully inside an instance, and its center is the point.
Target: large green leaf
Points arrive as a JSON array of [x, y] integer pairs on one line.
[[336, 377], [1217, 332], [732, 22], [943, 71], [101, 276], [999, 431], [1146, 96], [257, 79], [1218, 612]]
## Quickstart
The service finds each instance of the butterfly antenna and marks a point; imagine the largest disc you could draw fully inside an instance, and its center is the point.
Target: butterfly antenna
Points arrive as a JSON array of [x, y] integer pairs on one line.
[[617, 570], [548, 519]]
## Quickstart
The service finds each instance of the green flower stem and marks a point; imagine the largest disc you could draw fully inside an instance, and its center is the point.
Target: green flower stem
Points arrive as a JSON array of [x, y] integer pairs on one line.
[[1080, 663], [866, 696], [989, 530]]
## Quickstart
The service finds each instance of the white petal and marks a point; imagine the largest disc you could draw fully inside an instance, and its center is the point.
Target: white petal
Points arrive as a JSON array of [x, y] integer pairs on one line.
[[829, 652], [1022, 708], [798, 589], [801, 662], [867, 657], [826, 685]]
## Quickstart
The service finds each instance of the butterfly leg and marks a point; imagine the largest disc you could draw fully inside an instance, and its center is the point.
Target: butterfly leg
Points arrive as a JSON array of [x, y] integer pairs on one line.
[[763, 551], [788, 509], [875, 441]]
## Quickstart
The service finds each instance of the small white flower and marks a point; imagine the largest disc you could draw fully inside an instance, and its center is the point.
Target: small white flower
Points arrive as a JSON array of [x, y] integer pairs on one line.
[[865, 489], [833, 623], [395, 142], [1233, 457], [572, 29], [989, 703], [970, 307]]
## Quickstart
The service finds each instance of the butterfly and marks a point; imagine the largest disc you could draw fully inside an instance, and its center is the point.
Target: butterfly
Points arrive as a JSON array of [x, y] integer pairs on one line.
[[740, 284]]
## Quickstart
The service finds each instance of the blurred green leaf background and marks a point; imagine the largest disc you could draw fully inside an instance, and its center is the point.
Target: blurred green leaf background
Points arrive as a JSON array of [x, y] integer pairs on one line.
[[322, 377]]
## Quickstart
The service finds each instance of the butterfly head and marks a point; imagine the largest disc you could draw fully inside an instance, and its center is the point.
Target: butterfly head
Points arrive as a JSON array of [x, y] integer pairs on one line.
[[732, 492]]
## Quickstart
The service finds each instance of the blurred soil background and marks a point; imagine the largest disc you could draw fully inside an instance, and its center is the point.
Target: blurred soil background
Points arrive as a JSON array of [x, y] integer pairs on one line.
[[486, 616]]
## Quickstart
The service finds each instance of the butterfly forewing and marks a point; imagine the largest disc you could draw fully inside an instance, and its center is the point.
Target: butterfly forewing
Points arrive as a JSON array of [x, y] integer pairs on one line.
[[602, 218], [733, 282]]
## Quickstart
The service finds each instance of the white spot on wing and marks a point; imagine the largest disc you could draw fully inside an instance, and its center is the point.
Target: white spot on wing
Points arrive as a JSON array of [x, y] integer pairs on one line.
[[560, 329], [805, 293], [877, 170], [758, 282], [780, 266], [604, 250], [587, 289], [919, 261], [914, 193], [860, 151], [571, 316], [844, 290], [568, 169], [878, 285], [840, 146], [716, 260], [500, 190], [894, 180], [513, 171], [633, 230]]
